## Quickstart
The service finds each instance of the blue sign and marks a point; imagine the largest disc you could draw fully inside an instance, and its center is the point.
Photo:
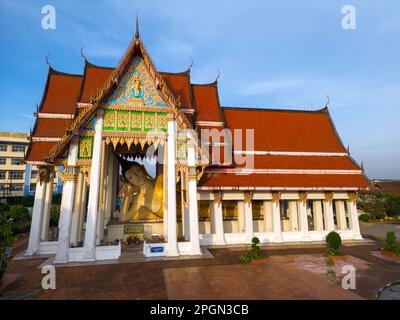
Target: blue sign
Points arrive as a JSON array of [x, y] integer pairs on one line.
[[156, 249]]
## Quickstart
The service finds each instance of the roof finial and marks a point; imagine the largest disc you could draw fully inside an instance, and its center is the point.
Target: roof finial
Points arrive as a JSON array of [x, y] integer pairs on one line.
[[348, 149], [218, 74], [47, 61], [83, 55], [327, 102], [137, 27], [191, 63], [362, 166]]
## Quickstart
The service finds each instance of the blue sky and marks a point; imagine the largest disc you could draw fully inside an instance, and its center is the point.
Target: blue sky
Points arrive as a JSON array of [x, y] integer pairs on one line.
[[274, 54]]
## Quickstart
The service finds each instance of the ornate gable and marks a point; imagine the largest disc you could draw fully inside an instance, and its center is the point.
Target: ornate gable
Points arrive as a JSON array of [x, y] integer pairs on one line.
[[136, 90]]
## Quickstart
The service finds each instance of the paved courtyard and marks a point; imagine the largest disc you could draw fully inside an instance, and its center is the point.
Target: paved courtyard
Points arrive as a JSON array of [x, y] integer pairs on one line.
[[378, 230], [290, 273]]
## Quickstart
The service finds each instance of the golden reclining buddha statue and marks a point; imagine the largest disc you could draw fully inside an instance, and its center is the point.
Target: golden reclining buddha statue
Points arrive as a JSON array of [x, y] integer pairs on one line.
[[142, 196]]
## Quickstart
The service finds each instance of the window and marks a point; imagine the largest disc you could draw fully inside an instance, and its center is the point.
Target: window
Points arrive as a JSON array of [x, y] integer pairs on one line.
[[18, 175], [2, 161], [34, 174], [32, 187], [3, 175], [284, 208], [257, 209], [18, 149], [18, 187], [3, 148], [17, 161]]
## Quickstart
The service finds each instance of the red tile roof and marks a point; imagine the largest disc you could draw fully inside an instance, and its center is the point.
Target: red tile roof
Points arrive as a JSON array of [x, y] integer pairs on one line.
[[300, 162], [207, 103], [286, 130], [38, 150], [50, 128], [94, 78], [179, 84], [61, 93], [329, 181]]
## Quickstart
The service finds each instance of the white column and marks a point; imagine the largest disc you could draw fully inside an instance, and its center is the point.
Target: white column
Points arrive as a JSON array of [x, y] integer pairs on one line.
[[303, 225], [276, 220], [353, 219], [248, 217], [47, 210], [340, 215], [317, 215], [328, 213], [77, 210], [165, 192], [240, 210], [172, 244], [267, 211], [184, 213], [37, 218], [193, 208], [82, 210], [109, 186], [218, 221], [67, 203], [294, 225], [93, 203]]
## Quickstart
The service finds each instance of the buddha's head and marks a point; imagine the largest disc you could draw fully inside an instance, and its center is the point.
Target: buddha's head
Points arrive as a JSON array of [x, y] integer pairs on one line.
[[136, 175], [133, 172]]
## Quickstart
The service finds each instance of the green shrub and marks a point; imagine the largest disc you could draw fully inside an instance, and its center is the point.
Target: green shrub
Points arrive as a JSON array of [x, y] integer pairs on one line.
[[391, 243], [364, 217], [6, 240], [334, 241], [246, 258]]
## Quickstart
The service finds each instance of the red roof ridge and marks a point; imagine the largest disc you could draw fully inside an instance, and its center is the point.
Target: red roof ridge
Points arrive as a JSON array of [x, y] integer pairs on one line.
[[180, 73], [241, 108], [210, 84]]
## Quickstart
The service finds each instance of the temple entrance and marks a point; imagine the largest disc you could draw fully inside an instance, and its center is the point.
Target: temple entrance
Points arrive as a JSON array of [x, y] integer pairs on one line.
[[136, 187]]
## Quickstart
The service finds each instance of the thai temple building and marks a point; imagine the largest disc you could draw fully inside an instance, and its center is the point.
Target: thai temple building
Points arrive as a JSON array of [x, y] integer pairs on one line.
[[147, 155]]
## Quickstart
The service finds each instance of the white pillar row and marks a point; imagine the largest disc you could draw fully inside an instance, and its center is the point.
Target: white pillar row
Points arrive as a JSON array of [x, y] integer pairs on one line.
[[192, 192], [37, 214], [303, 221], [276, 217], [328, 212], [340, 215], [184, 211], [93, 202], [218, 219], [248, 216], [77, 210], [47, 209], [67, 203], [103, 194], [267, 211], [240, 210], [353, 216], [172, 243], [165, 191], [317, 215], [109, 186], [82, 210], [293, 216]]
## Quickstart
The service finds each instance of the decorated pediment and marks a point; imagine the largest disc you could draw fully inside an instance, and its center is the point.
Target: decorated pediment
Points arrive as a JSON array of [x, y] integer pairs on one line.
[[136, 90]]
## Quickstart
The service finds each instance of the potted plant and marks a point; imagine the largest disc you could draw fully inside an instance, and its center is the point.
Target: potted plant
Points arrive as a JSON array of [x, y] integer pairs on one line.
[[254, 256], [334, 241], [391, 248]]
